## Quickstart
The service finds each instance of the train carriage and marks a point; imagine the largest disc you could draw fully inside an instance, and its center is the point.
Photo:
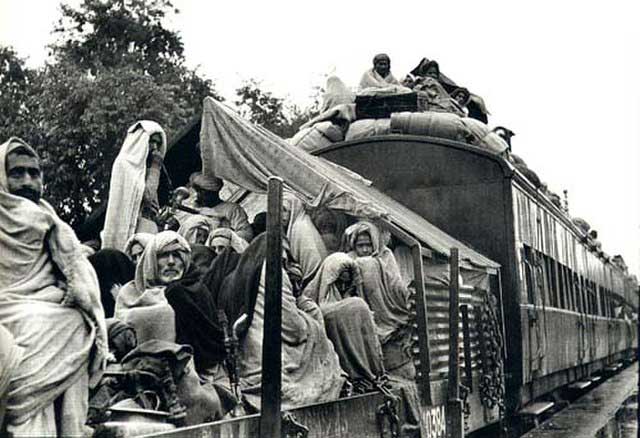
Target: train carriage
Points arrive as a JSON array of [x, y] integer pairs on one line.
[[567, 307]]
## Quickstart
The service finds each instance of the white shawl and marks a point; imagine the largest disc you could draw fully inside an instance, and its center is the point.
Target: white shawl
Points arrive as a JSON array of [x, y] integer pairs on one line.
[[127, 184]]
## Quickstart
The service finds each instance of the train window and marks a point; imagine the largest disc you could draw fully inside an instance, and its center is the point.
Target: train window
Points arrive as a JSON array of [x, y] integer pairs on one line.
[[578, 291], [571, 293], [529, 267], [555, 298], [562, 289]]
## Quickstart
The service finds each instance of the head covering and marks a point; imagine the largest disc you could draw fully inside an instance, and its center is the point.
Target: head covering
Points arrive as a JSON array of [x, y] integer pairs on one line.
[[113, 268], [207, 182], [115, 327], [305, 243], [141, 239], [127, 184], [352, 232], [380, 57], [227, 237], [190, 226], [201, 257], [322, 289], [11, 145], [147, 270]]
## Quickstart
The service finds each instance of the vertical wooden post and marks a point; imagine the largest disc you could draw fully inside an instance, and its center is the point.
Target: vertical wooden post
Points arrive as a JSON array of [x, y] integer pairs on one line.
[[423, 327], [466, 340], [270, 418], [454, 404]]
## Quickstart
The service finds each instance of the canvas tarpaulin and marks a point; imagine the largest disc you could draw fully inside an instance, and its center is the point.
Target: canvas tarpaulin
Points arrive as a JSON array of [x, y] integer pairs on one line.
[[246, 155]]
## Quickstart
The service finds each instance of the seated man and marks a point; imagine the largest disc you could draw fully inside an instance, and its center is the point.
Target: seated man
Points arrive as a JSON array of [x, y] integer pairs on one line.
[[337, 289], [380, 75], [49, 302], [223, 238], [311, 369], [133, 191], [208, 203], [383, 289], [195, 229], [141, 303]]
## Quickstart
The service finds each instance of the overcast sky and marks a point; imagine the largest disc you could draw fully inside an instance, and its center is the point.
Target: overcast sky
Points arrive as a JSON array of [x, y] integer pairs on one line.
[[564, 75]]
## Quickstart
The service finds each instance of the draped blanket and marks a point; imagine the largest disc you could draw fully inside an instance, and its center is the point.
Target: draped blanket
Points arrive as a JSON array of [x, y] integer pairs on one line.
[[383, 289], [49, 301], [193, 300], [311, 370], [127, 185], [347, 318], [142, 302]]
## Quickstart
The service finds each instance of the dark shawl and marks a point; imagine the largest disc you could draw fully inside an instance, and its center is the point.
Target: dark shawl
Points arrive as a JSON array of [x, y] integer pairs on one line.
[[193, 299], [476, 107], [240, 288], [112, 267]]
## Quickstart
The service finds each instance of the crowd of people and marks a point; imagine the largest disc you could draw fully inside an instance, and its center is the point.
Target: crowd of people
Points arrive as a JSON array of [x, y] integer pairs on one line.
[[168, 314]]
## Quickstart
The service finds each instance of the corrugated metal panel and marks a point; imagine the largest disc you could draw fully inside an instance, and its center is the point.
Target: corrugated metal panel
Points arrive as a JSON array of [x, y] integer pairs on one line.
[[438, 314]]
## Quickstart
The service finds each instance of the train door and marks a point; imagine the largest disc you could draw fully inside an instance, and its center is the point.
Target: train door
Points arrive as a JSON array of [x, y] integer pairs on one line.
[[536, 317], [583, 335]]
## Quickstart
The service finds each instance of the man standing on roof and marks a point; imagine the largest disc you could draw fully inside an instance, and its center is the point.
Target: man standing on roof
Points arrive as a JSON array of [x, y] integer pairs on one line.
[[228, 214]]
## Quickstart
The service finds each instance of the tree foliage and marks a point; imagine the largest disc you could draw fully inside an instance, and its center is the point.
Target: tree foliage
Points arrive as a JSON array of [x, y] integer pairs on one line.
[[273, 113], [114, 62]]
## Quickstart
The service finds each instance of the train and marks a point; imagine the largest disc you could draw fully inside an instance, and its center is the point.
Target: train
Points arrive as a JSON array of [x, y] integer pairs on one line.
[[569, 311], [539, 309]]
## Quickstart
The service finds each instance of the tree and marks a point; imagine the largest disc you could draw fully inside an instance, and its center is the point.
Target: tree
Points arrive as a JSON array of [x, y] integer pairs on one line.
[[271, 112], [114, 62], [16, 82]]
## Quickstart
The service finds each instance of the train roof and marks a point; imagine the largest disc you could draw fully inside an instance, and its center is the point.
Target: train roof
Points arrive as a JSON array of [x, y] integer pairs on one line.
[[246, 155]]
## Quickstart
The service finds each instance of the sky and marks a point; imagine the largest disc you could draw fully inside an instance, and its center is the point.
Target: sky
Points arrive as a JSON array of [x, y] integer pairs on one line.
[[564, 76]]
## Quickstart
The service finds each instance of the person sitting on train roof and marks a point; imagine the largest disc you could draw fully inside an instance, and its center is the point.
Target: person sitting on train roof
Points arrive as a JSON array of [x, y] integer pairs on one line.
[[114, 269], [136, 244], [505, 134], [133, 191], [476, 106], [222, 238], [196, 228], [348, 320], [49, 302], [209, 204], [380, 76], [142, 302], [384, 291], [311, 369], [432, 96], [461, 96]]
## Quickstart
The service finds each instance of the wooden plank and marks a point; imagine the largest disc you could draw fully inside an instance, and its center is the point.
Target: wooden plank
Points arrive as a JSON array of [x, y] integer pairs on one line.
[[580, 385], [536, 409], [270, 418], [454, 321]]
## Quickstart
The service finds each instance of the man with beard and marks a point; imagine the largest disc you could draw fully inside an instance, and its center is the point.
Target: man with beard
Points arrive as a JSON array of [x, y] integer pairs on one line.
[[49, 302]]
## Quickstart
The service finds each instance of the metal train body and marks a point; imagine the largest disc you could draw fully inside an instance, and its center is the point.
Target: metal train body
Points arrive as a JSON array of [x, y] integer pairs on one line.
[[562, 302]]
